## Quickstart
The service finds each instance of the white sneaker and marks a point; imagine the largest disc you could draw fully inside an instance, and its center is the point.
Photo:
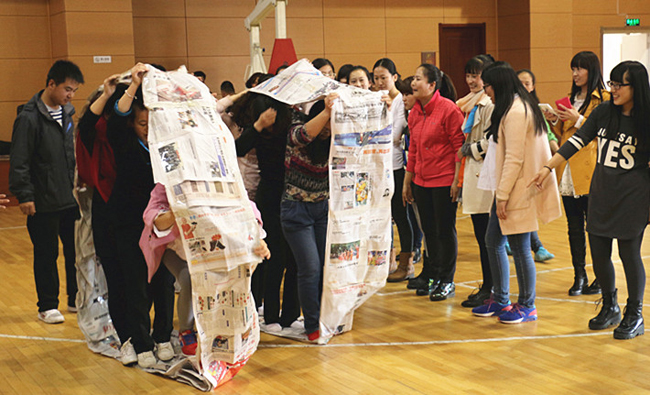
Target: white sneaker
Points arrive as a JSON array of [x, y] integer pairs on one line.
[[52, 316], [165, 351], [298, 324], [146, 359], [273, 328], [127, 353], [72, 309]]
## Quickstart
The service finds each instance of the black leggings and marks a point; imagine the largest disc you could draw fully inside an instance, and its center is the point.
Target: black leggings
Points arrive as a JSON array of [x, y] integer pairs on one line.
[[576, 216], [480, 224], [400, 214], [630, 253]]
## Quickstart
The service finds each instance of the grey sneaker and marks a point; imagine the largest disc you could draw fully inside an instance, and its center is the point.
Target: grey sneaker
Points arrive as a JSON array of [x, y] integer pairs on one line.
[[146, 359], [165, 351], [127, 353]]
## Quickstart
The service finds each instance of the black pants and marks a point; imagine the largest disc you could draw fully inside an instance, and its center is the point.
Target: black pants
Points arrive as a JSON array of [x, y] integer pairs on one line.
[[576, 217], [282, 264], [400, 214], [630, 253], [45, 229], [417, 233], [480, 224], [106, 250], [438, 220], [140, 294]]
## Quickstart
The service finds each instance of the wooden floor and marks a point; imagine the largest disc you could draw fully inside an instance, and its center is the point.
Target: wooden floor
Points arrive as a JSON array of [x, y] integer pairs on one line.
[[401, 344]]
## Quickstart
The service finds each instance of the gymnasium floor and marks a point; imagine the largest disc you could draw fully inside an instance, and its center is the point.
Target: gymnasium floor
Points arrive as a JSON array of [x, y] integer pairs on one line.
[[400, 344]]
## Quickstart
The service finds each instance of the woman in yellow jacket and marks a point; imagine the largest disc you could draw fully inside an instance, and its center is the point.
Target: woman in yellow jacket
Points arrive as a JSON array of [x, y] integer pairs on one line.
[[587, 92], [518, 147]]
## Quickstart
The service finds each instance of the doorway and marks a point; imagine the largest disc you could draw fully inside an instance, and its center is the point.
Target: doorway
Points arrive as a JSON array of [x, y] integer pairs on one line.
[[631, 43], [458, 44]]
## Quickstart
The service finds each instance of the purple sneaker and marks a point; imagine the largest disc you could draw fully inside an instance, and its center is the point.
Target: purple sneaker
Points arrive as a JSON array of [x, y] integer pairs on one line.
[[491, 308], [517, 314]]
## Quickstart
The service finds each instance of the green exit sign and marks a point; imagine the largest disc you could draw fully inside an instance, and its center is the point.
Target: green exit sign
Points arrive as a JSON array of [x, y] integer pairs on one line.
[[632, 22]]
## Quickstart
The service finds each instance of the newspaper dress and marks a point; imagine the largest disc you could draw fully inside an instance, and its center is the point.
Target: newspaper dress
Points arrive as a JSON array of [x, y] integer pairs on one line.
[[193, 155], [361, 188]]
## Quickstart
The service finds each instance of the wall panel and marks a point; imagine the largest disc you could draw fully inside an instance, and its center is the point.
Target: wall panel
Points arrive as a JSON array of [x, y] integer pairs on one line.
[[24, 36], [369, 35], [86, 29], [159, 37], [222, 8], [415, 8]]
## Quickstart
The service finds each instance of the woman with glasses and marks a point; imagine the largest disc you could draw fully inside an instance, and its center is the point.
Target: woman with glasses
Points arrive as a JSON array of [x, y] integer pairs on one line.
[[518, 145], [587, 92], [620, 191]]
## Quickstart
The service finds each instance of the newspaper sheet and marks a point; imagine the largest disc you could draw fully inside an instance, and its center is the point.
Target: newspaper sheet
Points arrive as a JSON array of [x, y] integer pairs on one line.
[[361, 188], [193, 155], [93, 317]]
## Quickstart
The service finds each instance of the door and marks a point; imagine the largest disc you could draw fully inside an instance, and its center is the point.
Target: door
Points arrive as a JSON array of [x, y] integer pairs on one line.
[[630, 43], [458, 44]]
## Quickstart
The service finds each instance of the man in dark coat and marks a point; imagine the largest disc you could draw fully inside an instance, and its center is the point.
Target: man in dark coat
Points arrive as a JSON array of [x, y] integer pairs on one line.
[[41, 176]]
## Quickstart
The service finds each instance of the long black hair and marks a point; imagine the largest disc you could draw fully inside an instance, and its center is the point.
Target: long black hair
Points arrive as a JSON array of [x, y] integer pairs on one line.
[[344, 72], [635, 74], [505, 84], [533, 93], [322, 62], [589, 61], [442, 80]]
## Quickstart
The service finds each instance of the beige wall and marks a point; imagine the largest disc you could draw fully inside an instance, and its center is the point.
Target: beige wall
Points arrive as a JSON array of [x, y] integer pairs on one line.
[[562, 28], [209, 35], [25, 56]]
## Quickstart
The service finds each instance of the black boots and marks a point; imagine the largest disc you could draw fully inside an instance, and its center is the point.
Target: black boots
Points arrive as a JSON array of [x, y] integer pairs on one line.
[[581, 285], [632, 324], [610, 313]]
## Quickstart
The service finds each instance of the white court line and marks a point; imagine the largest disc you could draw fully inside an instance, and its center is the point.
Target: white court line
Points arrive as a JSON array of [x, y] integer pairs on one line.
[[387, 344], [437, 342], [466, 284], [48, 339], [13, 227]]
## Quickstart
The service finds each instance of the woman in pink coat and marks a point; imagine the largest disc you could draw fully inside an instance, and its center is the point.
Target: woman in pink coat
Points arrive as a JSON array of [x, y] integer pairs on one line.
[[518, 148]]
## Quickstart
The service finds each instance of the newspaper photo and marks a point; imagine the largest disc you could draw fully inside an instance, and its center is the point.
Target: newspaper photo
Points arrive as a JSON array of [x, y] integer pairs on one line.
[[361, 188], [193, 156]]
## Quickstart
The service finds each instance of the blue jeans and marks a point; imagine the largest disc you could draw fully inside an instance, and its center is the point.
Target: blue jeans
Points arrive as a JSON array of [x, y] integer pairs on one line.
[[305, 228], [495, 242], [535, 242]]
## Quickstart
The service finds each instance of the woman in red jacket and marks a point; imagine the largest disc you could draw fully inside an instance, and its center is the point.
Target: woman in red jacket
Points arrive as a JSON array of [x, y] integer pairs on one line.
[[433, 168]]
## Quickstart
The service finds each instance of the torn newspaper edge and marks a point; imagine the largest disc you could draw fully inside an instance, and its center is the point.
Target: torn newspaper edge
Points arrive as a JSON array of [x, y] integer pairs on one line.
[[361, 188]]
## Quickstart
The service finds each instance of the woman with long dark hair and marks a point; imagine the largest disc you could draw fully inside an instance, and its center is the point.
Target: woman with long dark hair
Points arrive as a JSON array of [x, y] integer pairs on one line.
[[386, 76], [265, 123], [518, 147], [587, 92], [477, 107], [304, 208], [433, 169], [619, 200]]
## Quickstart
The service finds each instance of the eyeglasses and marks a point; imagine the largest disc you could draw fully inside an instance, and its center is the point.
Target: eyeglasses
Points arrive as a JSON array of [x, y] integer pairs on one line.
[[616, 85]]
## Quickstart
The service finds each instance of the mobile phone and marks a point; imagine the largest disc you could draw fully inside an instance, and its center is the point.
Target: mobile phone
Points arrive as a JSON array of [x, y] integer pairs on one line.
[[563, 101], [547, 107]]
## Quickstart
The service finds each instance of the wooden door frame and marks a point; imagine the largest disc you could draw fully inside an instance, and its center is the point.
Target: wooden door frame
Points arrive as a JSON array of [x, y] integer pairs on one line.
[[482, 25]]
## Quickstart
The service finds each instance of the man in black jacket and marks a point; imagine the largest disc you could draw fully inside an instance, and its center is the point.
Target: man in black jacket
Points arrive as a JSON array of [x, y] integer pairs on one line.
[[41, 176]]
